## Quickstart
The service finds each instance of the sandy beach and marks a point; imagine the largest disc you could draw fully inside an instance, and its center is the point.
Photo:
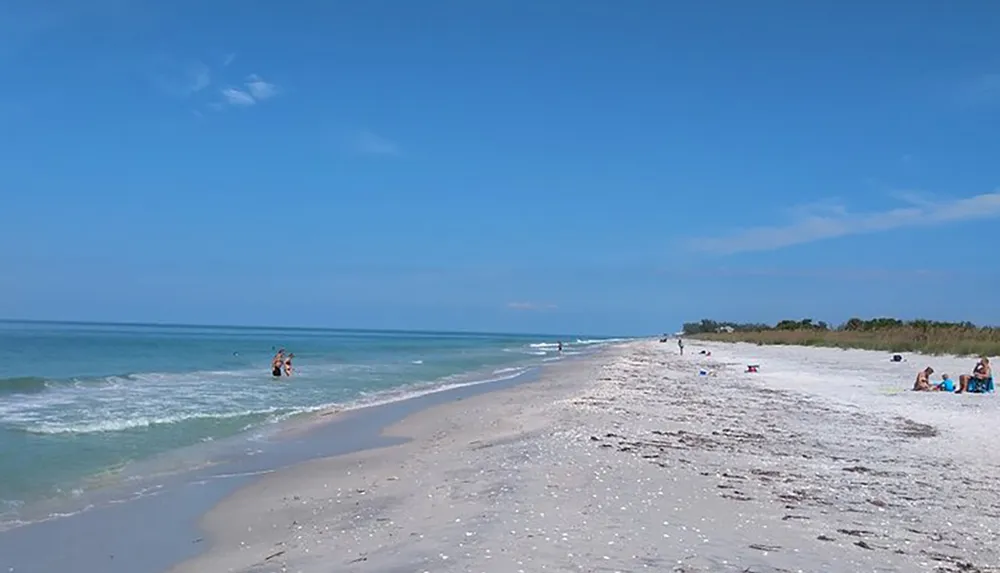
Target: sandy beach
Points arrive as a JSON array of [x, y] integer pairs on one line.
[[629, 460]]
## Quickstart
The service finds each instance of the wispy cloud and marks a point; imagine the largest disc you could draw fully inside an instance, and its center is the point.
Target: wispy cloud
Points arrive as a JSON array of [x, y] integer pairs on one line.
[[259, 89], [533, 306], [237, 97], [185, 80], [254, 90], [371, 143], [837, 221]]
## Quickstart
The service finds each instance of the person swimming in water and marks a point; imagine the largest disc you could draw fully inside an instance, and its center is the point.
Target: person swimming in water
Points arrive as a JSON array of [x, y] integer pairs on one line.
[[277, 363], [288, 364]]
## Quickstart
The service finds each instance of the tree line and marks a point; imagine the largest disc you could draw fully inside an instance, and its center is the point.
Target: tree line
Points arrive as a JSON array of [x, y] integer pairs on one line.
[[852, 325]]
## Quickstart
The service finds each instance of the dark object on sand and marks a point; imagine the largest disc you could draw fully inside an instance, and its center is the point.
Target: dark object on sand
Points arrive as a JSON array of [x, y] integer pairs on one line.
[[751, 368], [897, 358]]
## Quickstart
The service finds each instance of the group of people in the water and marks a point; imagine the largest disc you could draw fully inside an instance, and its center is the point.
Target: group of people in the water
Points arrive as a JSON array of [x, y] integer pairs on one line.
[[281, 364], [981, 380]]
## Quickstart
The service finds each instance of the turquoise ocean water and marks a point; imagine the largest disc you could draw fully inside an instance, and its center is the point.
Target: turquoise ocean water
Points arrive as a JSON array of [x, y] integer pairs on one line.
[[83, 403]]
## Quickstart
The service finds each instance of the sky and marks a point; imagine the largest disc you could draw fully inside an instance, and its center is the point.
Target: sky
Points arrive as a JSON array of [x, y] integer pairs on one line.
[[607, 167]]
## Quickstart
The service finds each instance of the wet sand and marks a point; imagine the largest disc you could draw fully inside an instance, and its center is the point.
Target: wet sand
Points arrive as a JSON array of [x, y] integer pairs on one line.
[[629, 460], [130, 532]]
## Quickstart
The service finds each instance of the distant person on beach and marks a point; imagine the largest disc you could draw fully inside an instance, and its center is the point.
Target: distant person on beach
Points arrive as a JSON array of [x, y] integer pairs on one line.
[[981, 373], [560, 346], [680, 344], [923, 381], [277, 363], [946, 384], [288, 364]]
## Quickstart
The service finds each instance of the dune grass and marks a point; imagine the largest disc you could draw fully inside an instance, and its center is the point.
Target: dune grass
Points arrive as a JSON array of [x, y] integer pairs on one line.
[[957, 340]]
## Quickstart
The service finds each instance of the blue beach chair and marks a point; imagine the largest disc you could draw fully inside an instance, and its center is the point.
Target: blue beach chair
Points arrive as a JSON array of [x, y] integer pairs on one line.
[[981, 386]]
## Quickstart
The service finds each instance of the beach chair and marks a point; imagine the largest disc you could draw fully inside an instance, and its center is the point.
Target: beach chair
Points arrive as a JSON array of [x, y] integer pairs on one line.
[[981, 386]]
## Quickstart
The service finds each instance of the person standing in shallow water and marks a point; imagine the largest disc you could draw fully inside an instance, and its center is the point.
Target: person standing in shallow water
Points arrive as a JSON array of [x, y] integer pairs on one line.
[[288, 364], [680, 344], [277, 363]]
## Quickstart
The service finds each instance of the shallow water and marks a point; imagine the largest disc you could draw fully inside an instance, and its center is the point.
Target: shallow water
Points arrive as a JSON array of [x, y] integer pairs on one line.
[[80, 404]]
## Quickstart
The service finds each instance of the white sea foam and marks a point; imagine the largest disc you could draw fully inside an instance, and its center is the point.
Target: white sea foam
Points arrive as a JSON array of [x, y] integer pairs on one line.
[[272, 414], [507, 370], [588, 341], [118, 425], [408, 393]]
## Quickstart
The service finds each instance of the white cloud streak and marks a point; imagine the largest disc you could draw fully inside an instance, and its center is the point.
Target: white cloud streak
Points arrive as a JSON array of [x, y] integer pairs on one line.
[[259, 89], [255, 91], [839, 222], [237, 97]]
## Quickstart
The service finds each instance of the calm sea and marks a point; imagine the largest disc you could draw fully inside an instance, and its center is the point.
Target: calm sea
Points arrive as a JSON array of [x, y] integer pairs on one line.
[[79, 403]]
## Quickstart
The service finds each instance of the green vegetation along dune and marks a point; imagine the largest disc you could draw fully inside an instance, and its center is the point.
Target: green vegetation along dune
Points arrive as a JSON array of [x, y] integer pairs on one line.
[[890, 334]]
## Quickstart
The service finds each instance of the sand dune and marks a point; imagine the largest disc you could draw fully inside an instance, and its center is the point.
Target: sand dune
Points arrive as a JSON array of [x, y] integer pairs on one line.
[[631, 461]]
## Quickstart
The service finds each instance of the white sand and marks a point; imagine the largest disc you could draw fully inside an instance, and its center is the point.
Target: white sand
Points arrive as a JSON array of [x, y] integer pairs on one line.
[[630, 461]]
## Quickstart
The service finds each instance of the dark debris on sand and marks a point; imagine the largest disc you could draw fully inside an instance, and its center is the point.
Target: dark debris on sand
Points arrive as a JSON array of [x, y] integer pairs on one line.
[[829, 467]]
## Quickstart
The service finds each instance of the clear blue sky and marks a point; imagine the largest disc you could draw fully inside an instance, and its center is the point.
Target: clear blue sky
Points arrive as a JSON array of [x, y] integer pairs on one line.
[[568, 165]]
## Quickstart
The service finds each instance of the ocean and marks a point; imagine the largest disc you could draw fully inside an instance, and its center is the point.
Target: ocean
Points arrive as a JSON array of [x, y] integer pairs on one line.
[[84, 406]]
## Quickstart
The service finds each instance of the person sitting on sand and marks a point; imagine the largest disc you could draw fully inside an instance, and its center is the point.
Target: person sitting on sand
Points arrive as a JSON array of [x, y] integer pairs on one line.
[[923, 381], [288, 364], [946, 384], [980, 374], [277, 362]]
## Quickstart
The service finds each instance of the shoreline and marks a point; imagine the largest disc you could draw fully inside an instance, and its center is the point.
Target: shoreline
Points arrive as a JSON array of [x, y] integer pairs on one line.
[[631, 460], [115, 484], [180, 499], [76, 423], [406, 431]]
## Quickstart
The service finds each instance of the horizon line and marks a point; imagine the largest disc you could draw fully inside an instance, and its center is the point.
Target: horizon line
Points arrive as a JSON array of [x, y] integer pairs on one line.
[[4, 320]]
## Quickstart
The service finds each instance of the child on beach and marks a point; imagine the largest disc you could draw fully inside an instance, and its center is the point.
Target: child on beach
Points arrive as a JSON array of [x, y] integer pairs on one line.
[[946, 384]]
